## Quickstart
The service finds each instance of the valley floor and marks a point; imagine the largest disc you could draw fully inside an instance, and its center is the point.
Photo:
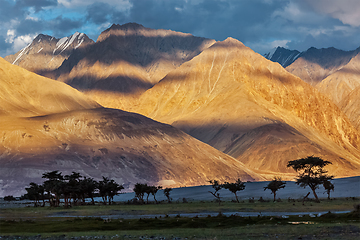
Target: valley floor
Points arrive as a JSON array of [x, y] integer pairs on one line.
[[197, 216]]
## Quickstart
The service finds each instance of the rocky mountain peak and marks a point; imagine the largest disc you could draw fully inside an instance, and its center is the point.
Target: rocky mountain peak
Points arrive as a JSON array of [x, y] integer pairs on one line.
[[229, 42], [314, 65], [43, 37], [283, 56], [46, 53], [126, 26]]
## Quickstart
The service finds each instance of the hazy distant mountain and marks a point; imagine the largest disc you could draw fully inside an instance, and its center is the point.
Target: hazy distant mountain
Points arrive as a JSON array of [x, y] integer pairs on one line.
[[342, 87], [127, 60], [252, 109], [76, 134], [283, 56], [335, 73], [314, 65], [47, 53]]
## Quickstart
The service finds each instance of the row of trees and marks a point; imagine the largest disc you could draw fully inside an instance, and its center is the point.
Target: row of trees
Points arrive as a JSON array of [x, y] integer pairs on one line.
[[74, 187], [310, 171], [234, 187], [71, 187], [141, 189]]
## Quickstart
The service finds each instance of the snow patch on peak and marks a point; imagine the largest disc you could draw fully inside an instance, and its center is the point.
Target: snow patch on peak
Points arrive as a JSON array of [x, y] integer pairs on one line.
[[73, 37], [65, 42], [24, 51], [270, 54], [81, 35], [61, 41]]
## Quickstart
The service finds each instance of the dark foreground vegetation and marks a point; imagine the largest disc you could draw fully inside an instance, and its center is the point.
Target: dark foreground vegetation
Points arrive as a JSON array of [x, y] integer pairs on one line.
[[65, 223], [339, 226]]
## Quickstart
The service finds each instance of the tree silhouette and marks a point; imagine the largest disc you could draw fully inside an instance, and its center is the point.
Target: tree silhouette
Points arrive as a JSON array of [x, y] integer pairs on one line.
[[328, 187], [167, 194], [36, 192], [275, 185], [108, 189], [140, 190], [72, 188], [216, 186], [234, 187], [113, 189], [147, 190], [54, 186], [310, 172], [88, 187], [154, 190]]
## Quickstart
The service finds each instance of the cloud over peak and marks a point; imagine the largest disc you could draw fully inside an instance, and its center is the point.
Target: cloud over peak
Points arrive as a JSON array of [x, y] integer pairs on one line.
[[260, 24]]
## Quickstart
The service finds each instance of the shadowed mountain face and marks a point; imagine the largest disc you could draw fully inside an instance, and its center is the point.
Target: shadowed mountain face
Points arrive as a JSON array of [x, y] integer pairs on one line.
[[107, 142], [46, 53], [314, 65], [127, 60], [246, 106], [46, 125], [283, 56]]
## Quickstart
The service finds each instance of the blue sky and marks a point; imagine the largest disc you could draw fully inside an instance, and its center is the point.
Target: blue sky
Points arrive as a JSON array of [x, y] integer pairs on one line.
[[259, 24]]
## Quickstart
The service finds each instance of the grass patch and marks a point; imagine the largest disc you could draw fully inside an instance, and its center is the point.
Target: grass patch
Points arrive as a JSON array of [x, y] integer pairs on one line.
[[345, 204], [339, 226], [32, 221]]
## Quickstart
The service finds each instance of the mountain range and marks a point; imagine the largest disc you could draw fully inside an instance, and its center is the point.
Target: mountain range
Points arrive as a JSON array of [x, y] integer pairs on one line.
[[334, 72], [46, 53], [221, 110], [62, 129]]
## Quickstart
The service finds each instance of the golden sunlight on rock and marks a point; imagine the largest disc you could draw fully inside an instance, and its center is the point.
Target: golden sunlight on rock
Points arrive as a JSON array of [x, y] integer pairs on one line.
[[46, 125], [24, 93], [253, 109]]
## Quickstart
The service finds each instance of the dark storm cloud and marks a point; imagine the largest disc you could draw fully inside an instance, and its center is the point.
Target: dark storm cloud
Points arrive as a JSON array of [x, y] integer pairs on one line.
[[61, 26], [259, 24], [100, 13], [208, 18], [30, 26], [245, 20], [8, 10]]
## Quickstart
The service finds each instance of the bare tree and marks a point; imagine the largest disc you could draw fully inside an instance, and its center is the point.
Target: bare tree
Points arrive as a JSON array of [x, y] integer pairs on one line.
[[216, 186], [167, 194], [328, 187]]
